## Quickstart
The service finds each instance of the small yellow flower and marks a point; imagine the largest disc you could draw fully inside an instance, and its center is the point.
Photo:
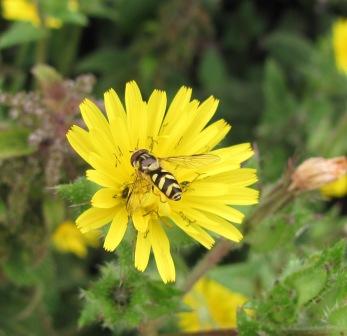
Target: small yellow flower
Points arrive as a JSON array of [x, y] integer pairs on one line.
[[213, 307], [337, 188], [67, 238], [26, 10], [127, 194], [340, 44]]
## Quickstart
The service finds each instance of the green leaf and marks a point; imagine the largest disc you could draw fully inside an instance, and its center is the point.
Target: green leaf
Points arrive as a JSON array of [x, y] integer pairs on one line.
[[212, 71], [53, 211], [21, 32], [289, 49], [279, 104], [304, 296], [309, 283], [241, 277], [338, 317], [14, 143], [22, 270], [79, 192]]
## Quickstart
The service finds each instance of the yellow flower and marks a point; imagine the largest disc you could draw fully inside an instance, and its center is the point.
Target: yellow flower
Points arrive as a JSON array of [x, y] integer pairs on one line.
[[208, 190], [337, 188], [213, 307], [67, 238], [340, 44], [26, 10]]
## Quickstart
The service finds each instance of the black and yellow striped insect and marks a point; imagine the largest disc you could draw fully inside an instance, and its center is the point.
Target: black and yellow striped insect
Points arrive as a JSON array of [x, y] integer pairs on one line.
[[149, 172]]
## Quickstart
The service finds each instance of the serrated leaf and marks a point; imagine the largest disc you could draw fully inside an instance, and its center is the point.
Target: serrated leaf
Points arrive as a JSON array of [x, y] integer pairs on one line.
[[305, 296], [308, 283], [21, 32], [78, 192]]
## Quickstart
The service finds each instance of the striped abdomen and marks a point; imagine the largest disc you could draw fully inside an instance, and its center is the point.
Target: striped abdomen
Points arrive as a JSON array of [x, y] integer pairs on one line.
[[166, 183]]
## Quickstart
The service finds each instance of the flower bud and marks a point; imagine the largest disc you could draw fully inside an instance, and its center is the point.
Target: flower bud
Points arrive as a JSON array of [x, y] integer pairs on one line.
[[316, 172]]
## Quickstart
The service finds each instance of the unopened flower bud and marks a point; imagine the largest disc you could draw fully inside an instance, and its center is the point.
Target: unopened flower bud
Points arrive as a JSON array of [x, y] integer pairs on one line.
[[316, 172]]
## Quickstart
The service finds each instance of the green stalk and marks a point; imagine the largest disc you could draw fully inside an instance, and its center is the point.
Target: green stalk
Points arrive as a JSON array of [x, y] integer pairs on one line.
[[65, 63], [41, 45]]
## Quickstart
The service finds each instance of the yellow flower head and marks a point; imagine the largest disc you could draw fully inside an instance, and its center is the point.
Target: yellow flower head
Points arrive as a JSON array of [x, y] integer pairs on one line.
[[67, 238], [213, 307], [160, 169], [337, 188], [340, 44], [27, 10]]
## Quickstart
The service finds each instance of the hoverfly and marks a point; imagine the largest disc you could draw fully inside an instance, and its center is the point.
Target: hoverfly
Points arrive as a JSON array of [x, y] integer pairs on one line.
[[150, 173]]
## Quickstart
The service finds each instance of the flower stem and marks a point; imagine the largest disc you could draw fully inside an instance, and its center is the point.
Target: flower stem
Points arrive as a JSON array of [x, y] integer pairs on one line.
[[274, 200], [41, 46]]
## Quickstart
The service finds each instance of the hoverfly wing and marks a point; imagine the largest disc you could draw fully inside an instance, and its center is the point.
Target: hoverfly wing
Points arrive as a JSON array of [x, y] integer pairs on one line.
[[191, 161], [138, 191]]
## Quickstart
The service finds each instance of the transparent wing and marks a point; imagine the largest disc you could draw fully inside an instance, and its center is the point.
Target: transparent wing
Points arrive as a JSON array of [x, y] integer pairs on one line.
[[191, 161], [138, 192]]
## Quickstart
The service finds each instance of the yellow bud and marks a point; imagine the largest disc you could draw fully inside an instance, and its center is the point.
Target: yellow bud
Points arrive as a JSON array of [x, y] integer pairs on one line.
[[316, 172]]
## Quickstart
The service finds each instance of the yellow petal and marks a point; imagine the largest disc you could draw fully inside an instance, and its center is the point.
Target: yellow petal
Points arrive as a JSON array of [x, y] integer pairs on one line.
[[210, 137], [170, 145], [242, 196], [93, 218], [140, 221], [117, 230], [93, 117], [201, 188], [156, 110], [102, 144], [106, 198], [161, 249], [20, 10], [215, 224], [336, 188], [100, 178], [192, 230], [211, 206], [136, 115], [204, 141], [114, 107], [118, 121], [108, 168], [203, 115], [230, 158], [236, 153], [67, 238], [179, 102], [79, 140], [142, 251], [225, 193], [241, 177]]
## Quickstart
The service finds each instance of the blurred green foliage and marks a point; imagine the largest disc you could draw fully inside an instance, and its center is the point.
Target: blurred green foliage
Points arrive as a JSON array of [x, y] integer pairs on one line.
[[272, 67]]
